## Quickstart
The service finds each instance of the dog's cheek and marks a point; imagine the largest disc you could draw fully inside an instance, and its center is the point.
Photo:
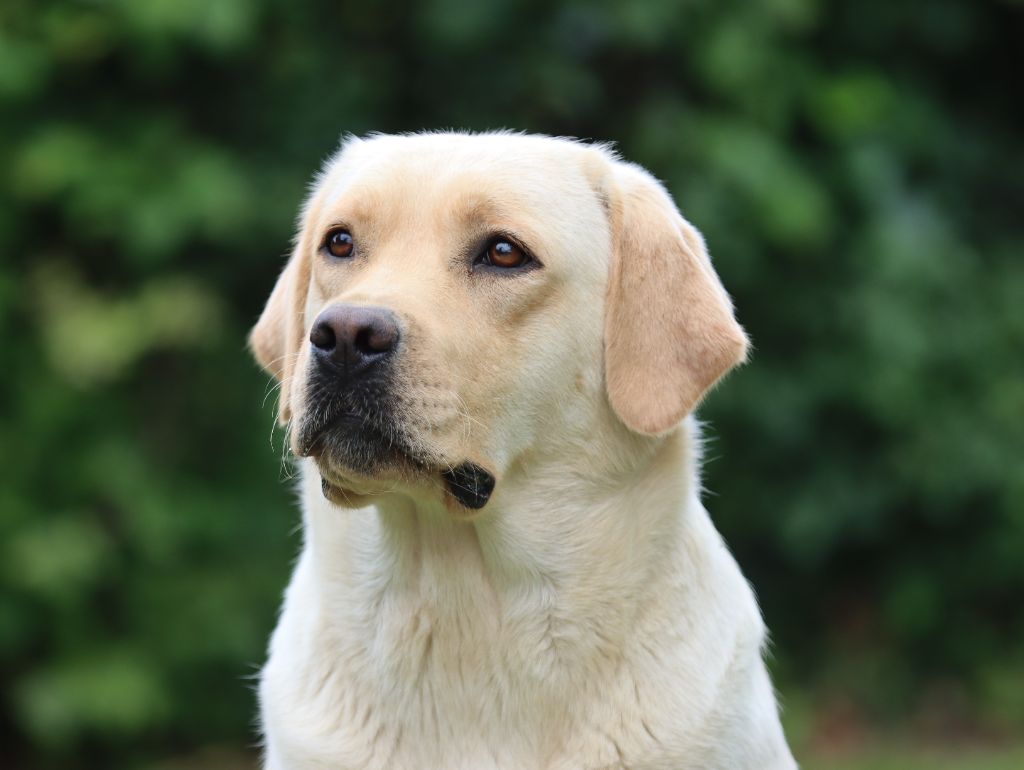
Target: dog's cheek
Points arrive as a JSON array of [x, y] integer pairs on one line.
[[297, 398]]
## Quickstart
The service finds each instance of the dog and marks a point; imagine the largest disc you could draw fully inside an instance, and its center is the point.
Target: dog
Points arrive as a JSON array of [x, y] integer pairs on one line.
[[489, 349]]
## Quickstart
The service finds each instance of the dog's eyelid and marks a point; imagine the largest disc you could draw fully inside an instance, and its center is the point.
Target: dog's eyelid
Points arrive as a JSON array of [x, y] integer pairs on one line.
[[336, 227], [515, 240]]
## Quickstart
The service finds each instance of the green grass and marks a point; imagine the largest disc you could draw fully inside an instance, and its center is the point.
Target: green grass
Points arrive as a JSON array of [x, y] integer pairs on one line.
[[918, 758], [901, 756]]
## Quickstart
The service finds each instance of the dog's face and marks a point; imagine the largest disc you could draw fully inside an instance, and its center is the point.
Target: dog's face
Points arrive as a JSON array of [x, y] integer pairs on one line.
[[454, 301]]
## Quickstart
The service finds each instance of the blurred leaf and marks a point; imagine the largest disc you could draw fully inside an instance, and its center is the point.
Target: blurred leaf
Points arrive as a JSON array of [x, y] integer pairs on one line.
[[57, 557], [112, 693], [92, 339]]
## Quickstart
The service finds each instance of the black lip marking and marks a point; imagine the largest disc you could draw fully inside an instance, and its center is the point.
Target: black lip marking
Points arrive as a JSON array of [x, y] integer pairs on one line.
[[470, 484]]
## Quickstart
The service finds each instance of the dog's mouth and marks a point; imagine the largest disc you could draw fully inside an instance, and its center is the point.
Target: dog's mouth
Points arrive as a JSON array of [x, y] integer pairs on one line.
[[364, 441], [358, 444], [360, 455]]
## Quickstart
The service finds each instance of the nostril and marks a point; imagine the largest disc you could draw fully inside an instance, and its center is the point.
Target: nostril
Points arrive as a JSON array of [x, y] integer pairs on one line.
[[375, 338], [363, 341], [323, 337]]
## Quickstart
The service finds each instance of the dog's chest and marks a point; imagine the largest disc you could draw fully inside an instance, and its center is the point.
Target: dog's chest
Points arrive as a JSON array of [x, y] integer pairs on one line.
[[473, 680]]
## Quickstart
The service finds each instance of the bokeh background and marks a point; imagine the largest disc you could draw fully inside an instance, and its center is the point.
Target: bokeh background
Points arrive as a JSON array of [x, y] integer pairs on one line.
[[857, 167]]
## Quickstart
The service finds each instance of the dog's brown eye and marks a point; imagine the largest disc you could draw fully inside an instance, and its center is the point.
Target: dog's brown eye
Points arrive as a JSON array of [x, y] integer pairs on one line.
[[339, 244], [501, 252]]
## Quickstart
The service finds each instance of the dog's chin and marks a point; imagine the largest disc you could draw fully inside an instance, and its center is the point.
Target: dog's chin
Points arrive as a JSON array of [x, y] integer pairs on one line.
[[347, 490]]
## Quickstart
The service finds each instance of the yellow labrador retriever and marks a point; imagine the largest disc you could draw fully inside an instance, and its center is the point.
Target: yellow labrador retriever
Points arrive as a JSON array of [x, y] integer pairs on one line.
[[488, 349]]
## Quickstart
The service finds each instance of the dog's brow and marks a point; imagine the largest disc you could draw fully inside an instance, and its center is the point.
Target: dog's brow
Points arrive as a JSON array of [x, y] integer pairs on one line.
[[358, 204], [474, 207], [476, 212], [351, 208]]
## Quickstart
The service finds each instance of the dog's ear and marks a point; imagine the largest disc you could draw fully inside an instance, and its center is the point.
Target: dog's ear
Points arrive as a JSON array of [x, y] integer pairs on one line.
[[276, 338], [669, 330]]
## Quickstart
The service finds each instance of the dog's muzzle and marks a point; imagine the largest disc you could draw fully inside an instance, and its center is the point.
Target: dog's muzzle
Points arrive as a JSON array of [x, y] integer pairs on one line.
[[351, 421]]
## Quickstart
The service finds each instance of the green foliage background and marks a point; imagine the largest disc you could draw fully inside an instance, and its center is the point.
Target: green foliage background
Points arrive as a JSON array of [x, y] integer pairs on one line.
[[855, 165]]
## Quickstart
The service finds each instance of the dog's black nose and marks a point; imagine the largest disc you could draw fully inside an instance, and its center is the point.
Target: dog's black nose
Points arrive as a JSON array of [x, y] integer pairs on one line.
[[354, 338]]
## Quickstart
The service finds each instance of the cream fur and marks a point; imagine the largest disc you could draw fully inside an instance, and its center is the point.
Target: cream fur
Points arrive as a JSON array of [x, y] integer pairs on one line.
[[589, 616]]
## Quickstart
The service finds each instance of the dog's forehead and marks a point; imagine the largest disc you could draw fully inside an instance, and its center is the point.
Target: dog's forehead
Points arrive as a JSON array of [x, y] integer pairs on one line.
[[469, 175]]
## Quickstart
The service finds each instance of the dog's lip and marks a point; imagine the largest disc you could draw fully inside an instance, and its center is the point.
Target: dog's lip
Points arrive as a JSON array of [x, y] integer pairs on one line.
[[470, 484]]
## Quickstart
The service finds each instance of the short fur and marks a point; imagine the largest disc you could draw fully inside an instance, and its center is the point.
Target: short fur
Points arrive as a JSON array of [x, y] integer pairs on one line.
[[589, 616]]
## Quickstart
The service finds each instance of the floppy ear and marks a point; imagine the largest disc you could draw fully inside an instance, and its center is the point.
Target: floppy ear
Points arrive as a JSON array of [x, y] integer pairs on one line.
[[276, 338], [669, 330]]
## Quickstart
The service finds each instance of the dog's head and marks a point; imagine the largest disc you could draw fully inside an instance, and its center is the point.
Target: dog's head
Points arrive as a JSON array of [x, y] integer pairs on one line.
[[454, 301]]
